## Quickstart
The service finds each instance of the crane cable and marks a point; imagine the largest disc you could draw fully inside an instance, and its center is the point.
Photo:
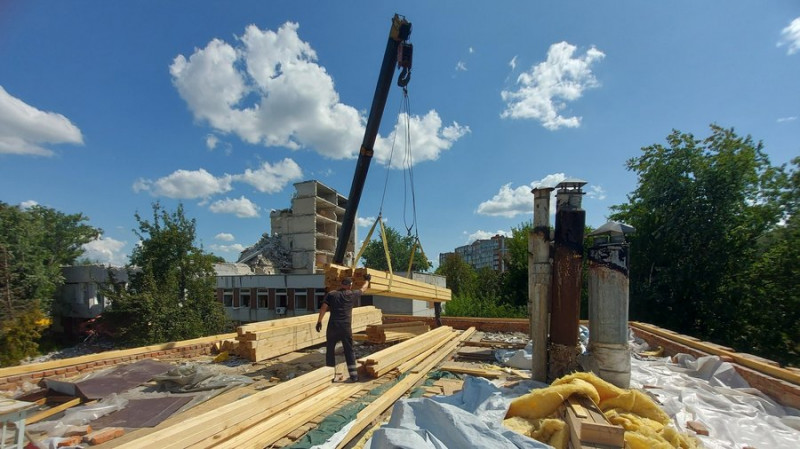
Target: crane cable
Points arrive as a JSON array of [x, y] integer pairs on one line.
[[408, 186]]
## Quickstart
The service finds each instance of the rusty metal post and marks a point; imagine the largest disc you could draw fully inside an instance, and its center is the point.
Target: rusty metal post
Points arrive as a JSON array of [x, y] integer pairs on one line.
[[608, 354], [567, 279], [540, 278]]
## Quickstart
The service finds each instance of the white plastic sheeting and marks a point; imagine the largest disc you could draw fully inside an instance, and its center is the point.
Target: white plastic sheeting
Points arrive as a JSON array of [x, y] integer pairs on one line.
[[705, 390], [471, 418], [710, 391]]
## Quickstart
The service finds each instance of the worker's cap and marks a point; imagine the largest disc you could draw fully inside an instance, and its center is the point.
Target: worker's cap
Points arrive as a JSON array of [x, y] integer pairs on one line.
[[347, 281]]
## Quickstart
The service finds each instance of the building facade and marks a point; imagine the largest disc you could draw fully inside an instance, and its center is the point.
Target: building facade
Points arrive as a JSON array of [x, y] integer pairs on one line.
[[310, 229], [491, 253]]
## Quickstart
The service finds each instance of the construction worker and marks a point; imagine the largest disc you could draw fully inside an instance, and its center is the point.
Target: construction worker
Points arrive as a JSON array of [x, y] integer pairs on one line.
[[340, 326]]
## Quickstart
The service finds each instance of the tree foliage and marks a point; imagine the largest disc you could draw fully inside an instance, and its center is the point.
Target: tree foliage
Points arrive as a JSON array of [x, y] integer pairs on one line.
[[460, 277], [515, 286], [400, 248], [172, 291], [699, 208], [34, 244]]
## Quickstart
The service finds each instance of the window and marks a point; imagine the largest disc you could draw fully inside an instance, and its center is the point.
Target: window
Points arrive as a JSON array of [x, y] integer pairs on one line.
[[227, 298], [319, 295], [244, 297], [280, 297], [263, 298], [300, 299]]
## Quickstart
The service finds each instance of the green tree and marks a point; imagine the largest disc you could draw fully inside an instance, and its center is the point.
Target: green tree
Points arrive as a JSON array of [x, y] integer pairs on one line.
[[460, 277], [400, 247], [698, 208], [172, 290], [34, 244], [515, 288], [770, 313]]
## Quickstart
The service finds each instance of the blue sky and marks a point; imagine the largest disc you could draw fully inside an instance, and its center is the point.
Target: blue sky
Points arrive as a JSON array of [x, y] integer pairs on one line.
[[108, 106]]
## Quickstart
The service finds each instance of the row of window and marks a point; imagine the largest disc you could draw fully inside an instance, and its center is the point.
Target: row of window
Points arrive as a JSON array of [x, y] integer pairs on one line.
[[301, 300]]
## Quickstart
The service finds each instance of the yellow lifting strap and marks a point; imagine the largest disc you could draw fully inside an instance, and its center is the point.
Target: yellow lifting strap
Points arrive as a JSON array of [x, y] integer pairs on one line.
[[413, 253], [364, 245], [385, 247]]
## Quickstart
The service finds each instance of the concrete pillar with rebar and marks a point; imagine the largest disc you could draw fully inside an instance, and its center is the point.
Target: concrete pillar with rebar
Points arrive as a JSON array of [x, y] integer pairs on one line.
[[540, 278]]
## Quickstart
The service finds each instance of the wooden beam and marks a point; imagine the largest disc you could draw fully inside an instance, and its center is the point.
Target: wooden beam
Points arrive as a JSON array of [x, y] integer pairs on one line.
[[366, 416], [208, 424], [710, 348], [52, 411]]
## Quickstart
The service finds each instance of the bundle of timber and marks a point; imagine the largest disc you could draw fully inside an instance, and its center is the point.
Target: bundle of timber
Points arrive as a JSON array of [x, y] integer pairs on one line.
[[255, 421], [403, 354], [267, 339], [384, 333], [385, 284]]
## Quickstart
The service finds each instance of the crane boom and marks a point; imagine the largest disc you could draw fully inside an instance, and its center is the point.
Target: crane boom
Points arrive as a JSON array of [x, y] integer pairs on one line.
[[398, 52]]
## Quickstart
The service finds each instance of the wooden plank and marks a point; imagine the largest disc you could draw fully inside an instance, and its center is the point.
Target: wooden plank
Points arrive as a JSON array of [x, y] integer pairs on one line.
[[268, 431], [589, 425], [387, 284], [236, 427], [461, 368], [107, 355], [52, 411], [710, 348], [366, 416], [207, 424]]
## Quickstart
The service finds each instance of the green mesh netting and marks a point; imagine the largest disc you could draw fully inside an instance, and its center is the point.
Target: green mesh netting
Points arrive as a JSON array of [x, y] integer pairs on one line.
[[338, 419]]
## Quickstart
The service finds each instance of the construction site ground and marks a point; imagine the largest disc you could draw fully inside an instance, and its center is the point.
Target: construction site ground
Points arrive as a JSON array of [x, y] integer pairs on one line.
[[269, 373], [475, 356]]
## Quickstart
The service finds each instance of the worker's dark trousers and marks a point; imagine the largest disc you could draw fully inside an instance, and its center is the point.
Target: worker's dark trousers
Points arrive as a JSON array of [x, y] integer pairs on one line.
[[341, 332]]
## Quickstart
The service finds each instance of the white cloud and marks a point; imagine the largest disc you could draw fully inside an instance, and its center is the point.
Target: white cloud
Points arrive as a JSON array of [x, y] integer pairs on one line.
[[28, 204], [513, 62], [270, 90], [471, 50], [235, 248], [787, 119], [510, 202], [271, 178], [367, 222], [461, 66], [211, 141], [543, 91], [106, 251], [790, 36], [241, 207], [185, 184], [596, 192], [224, 236], [485, 235], [428, 140], [24, 129]]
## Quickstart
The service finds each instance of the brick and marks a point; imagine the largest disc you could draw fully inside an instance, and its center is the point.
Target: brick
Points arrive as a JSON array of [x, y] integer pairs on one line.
[[103, 435], [698, 427], [69, 441], [78, 431]]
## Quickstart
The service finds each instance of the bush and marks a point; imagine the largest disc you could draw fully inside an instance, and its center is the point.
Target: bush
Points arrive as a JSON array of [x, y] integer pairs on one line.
[[482, 307]]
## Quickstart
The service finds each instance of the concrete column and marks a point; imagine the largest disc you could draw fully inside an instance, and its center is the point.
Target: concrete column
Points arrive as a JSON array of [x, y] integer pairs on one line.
[[540, 278], [567, 280], [608, 354]]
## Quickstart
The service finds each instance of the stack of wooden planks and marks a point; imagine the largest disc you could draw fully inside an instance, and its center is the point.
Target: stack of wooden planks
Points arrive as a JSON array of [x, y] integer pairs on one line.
[[267, 339], [385, 284], [254, 421], [386, 333], [381, 362]]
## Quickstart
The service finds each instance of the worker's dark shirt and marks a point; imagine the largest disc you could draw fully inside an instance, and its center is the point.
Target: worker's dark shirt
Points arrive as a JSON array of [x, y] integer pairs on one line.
[[340, 303]]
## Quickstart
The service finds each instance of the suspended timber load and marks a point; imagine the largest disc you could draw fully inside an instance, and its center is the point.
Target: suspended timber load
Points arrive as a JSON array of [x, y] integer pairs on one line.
[[267, 339], [385, 284]]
